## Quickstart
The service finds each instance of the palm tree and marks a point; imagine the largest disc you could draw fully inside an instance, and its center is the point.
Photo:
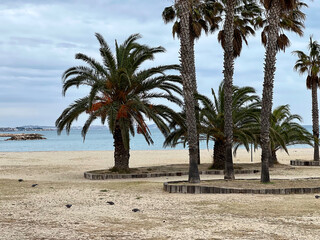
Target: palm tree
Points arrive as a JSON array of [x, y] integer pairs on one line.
[[188, 76], [310, 64], [228, 65], [285, 130], [239, 17], [245, 113], [203, 15], [275, 11], [121, 93]]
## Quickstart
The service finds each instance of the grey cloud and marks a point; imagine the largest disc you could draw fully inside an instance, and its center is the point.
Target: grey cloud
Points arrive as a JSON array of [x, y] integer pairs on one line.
[[67, 45]]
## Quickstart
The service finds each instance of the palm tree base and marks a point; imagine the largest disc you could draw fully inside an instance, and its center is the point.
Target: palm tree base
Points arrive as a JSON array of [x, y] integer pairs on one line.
[[120, 170], [218, 166]]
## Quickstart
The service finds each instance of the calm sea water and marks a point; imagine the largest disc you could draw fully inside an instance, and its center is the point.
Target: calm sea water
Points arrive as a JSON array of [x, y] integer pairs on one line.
[[96, 140]]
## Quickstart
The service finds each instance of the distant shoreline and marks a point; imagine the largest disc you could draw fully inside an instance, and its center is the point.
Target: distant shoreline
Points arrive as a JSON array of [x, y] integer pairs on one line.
[[44, 128]]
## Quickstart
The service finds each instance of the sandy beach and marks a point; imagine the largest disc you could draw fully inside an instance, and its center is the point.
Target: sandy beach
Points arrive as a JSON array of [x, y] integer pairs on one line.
[[40, 213]]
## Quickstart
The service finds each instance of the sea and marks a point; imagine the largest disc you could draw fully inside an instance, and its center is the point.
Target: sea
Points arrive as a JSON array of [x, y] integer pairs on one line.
[[96, 140]]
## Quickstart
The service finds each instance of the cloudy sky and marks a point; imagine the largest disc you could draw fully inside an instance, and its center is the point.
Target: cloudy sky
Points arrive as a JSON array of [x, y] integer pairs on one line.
[[40, 38]]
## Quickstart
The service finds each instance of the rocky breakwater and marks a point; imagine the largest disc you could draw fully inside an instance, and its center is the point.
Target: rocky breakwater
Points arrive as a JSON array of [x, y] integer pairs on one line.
[[22, 136]]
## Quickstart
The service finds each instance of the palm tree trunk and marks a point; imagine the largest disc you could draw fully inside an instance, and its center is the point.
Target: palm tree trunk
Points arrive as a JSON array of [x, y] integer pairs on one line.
[[219, 152], [195, 91], [274, 157], [273, 19], [228, 78], [188, 79], [121, 154], [271, 160], [315, 121]]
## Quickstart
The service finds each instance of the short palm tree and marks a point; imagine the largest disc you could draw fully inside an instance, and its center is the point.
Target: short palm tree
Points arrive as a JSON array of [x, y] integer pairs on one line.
[[121, 94], [275, 12], [310, 64], [285, 130], [245, 113]]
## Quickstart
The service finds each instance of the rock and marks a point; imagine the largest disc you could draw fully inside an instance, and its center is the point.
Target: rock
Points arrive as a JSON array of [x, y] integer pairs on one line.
[[317, 196], [22, 136], [20, 180], [135, 210], [69, 205], [34, 185], [110, 203]]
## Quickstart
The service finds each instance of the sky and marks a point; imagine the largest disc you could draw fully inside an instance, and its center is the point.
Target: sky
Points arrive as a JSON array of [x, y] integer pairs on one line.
[[39, 40]]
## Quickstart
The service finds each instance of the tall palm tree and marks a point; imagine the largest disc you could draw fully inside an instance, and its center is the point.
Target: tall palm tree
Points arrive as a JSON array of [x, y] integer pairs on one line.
[[285, 130], [121, 93], [203, 16], [240, 17], [228, 65], [275, 10], [188, 80], [310, 64]]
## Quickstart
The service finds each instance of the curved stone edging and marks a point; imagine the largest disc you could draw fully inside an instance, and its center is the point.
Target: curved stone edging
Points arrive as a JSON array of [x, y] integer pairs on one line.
[[304, 163], [99, 176], [194, 189]]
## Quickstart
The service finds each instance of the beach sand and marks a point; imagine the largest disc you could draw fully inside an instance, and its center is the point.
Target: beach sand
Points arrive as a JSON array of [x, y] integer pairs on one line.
[[40, 213]]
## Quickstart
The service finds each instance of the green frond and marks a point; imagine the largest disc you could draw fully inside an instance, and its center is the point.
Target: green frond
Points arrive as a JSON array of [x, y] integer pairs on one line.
[[105, 52], [71, 114]]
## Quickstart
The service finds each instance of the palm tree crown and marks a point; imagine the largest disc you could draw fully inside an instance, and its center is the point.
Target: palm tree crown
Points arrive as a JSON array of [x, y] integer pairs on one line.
[[247, 17], [204, 16], [309, 64], [245, 112], [291, 19], [121, 93]]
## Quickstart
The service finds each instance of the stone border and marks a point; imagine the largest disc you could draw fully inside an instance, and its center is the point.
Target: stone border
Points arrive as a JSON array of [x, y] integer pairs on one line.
[[171, 187], [97, 176], [304, 163]]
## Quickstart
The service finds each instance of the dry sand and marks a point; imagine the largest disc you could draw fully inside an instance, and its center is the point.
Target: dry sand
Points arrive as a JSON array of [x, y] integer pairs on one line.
[[39, 212]]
